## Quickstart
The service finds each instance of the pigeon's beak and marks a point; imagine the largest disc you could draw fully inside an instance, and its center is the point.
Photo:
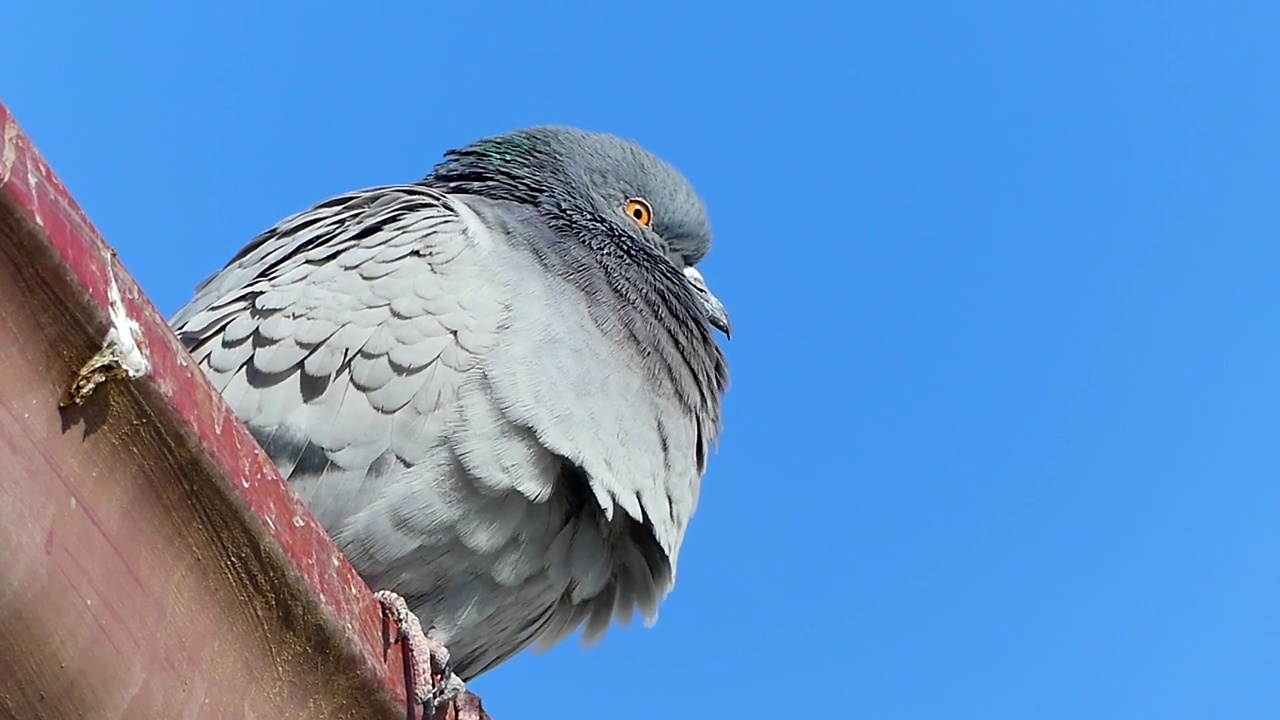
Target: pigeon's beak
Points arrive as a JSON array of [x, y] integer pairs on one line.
[[716, 314]]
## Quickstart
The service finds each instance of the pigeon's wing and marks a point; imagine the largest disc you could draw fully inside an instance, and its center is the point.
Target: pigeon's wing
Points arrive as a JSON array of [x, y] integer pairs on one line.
[[343, 337]]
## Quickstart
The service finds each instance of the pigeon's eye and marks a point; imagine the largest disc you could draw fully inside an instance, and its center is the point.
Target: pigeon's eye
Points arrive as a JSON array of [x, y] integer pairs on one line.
[[639, 211]]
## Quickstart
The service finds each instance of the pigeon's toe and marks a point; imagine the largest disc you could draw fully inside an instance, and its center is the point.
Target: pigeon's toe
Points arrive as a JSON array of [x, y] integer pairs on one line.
[[429, 676]]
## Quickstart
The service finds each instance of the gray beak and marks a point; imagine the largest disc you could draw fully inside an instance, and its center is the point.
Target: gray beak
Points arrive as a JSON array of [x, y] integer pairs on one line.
[[716, 313]]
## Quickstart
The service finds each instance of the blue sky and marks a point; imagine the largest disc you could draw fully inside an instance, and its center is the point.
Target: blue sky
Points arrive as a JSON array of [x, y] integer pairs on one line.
[[1002, 440]]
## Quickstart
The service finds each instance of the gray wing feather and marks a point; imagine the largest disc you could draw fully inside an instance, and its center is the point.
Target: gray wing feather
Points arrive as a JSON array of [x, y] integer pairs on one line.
[[344, 326]]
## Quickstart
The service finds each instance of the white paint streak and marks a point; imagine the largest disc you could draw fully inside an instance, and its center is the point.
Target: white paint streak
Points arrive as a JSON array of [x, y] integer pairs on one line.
[[9, 154], [32, 181], [123, 339]]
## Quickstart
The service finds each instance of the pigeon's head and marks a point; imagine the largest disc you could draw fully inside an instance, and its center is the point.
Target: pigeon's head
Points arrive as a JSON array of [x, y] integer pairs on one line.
[[597, 186]]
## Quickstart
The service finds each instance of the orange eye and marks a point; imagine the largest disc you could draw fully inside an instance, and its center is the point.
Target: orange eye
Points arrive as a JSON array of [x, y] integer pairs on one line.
[[639, 211]]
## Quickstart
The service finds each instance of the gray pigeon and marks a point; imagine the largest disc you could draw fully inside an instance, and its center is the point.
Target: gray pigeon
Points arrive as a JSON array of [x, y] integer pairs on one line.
[[495, 387]]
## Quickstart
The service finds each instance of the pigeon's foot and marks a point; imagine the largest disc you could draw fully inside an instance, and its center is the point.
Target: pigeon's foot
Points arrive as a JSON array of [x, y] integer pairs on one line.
[[429, 677]]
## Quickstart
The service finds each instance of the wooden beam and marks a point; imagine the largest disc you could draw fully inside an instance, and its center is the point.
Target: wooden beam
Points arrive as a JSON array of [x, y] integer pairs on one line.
[[152, 562]]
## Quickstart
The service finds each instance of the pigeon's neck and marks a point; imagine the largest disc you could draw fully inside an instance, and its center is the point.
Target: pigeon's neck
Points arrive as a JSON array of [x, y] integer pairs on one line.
[[625, 282], [463, 180]]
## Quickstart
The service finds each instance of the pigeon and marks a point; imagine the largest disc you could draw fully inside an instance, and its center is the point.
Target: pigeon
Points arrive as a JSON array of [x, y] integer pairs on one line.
[[496, 387]]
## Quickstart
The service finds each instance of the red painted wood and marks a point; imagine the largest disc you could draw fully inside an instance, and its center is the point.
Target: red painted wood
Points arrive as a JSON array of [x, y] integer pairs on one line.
[[152, 561]]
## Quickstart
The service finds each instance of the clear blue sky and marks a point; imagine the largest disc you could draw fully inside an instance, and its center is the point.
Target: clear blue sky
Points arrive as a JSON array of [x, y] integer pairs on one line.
[[1003, 439]]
